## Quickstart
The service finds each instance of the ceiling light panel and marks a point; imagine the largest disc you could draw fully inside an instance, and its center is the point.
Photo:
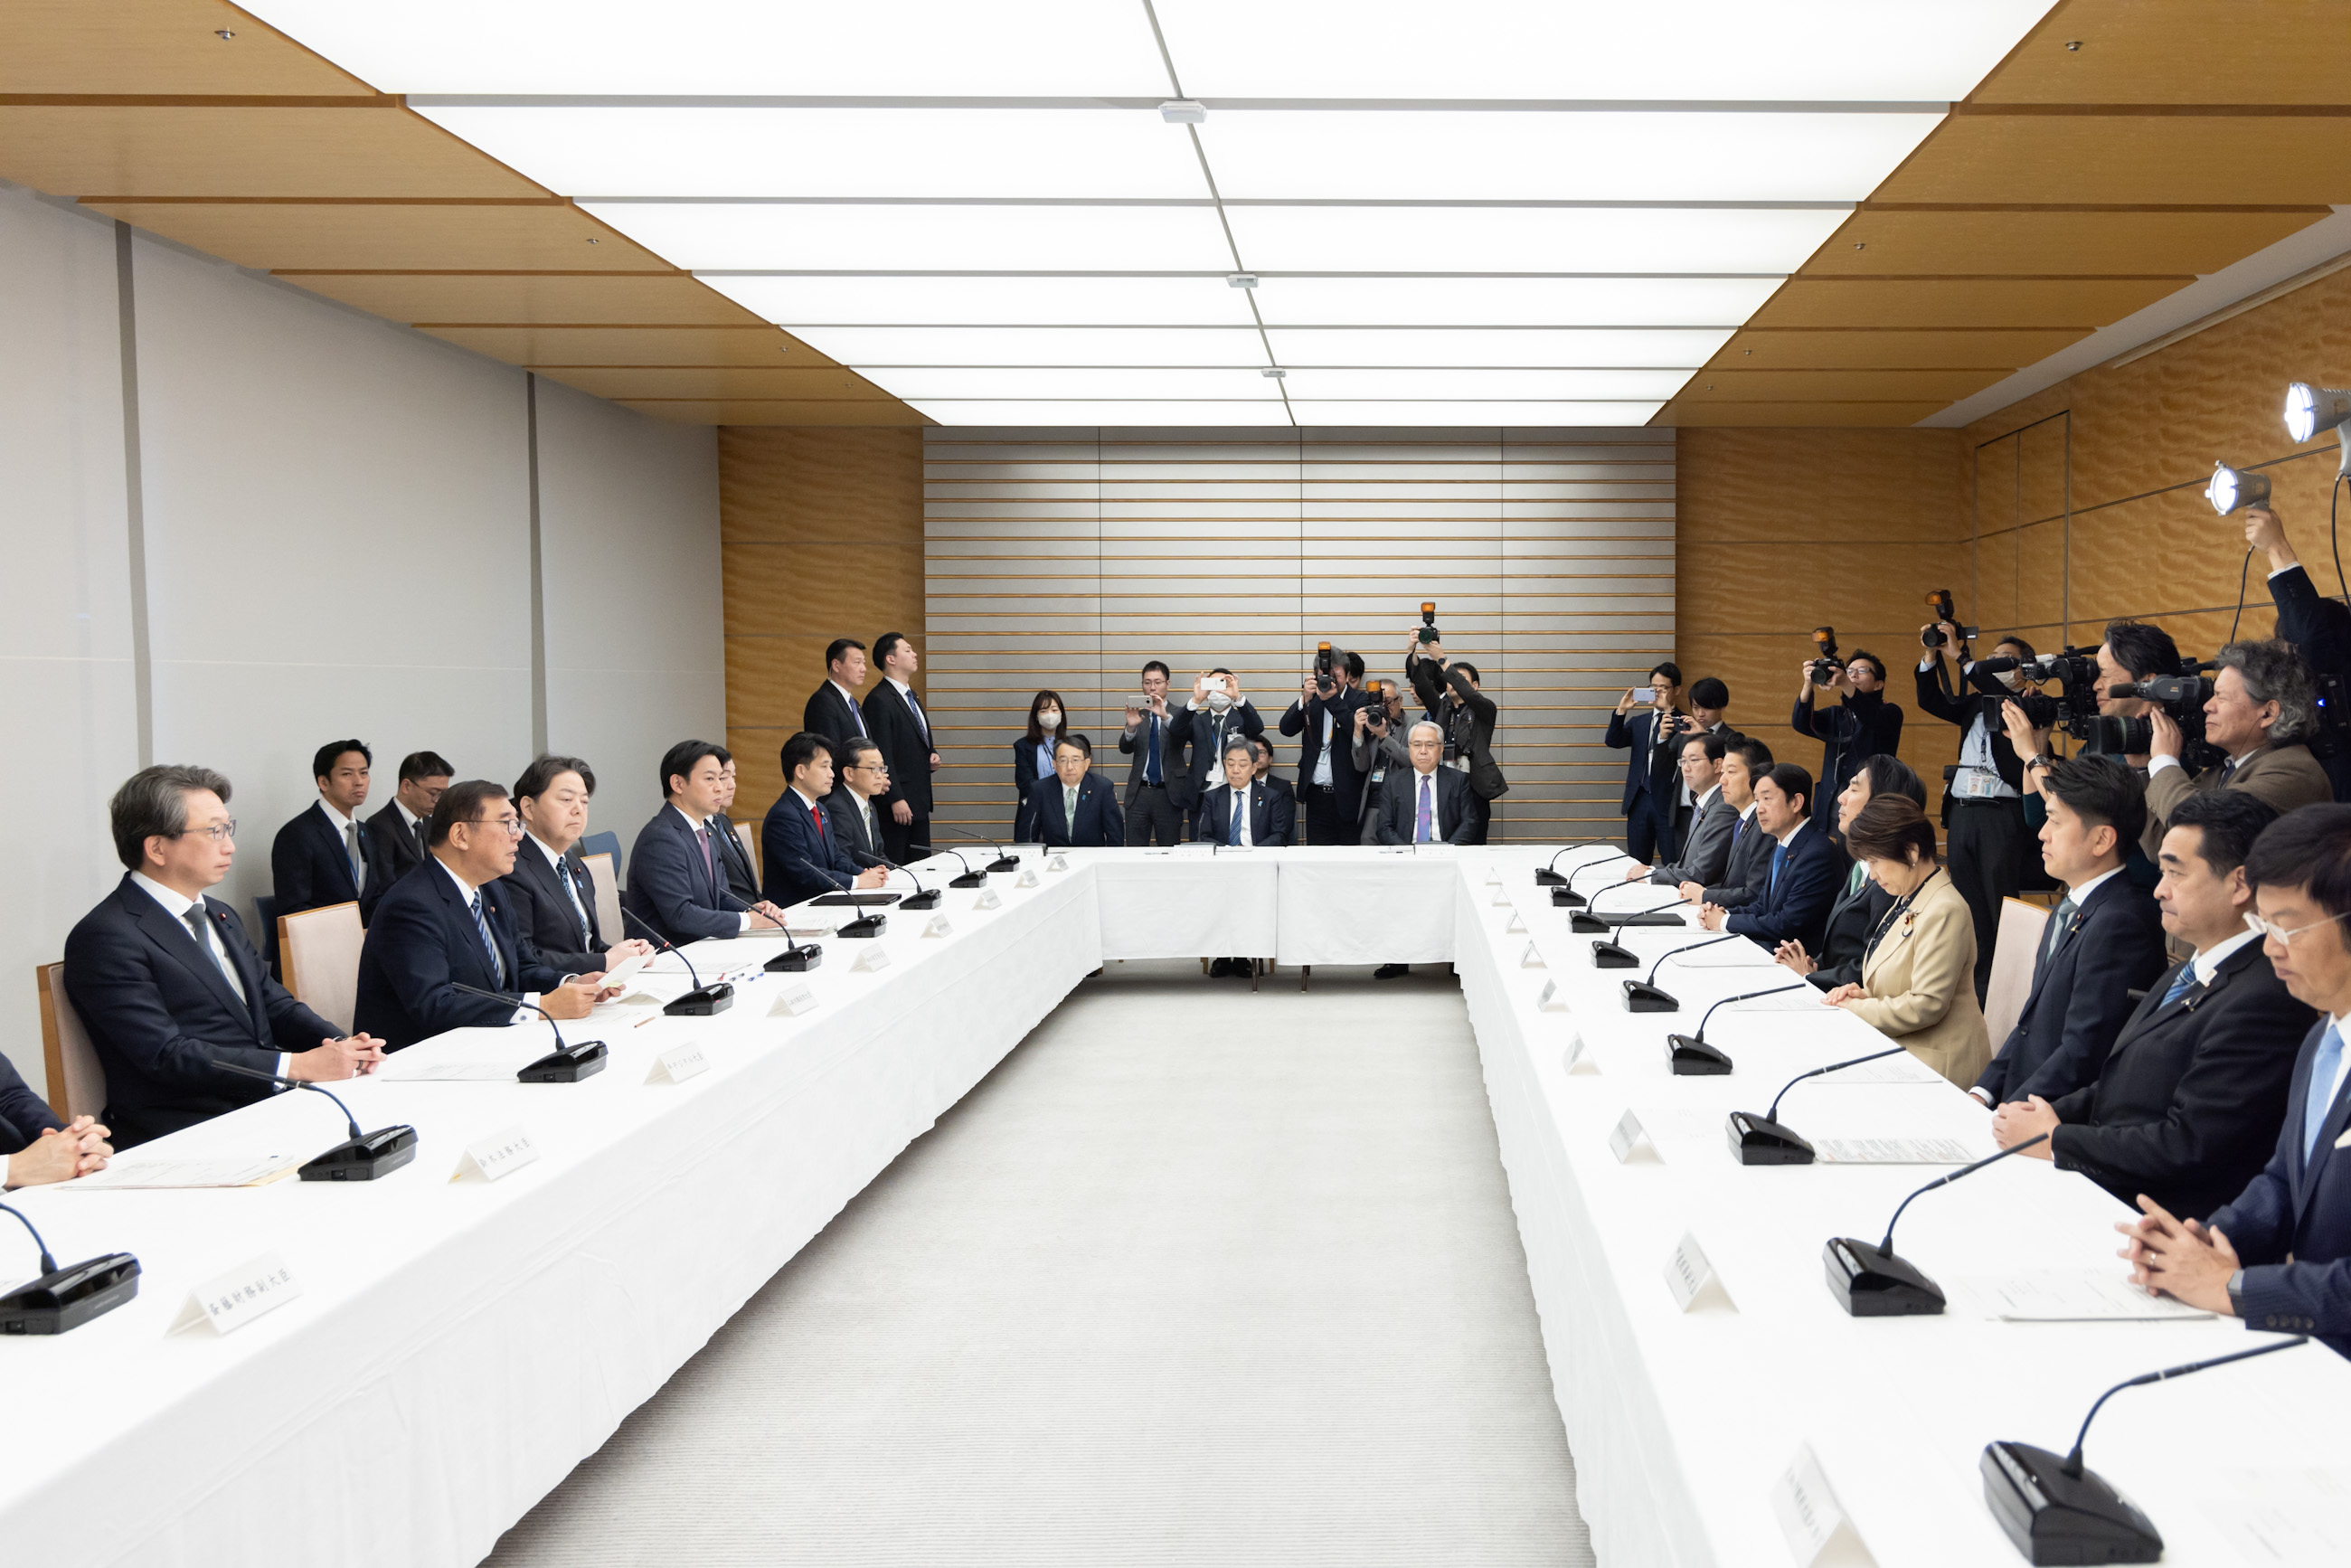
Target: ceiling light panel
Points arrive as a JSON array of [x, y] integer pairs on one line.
[[1843, 50], [1554, 156], [1535, 347], [1526, 239], [801, 300], [1130, 415], [852, 238], [869, 346], [920, 384], [1325, 412], [1038, 153], [1719, 302], [1531, 385], [776, 48]]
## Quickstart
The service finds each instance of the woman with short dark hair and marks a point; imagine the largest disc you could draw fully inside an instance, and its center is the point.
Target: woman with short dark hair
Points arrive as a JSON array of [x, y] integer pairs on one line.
[[1918, 973]]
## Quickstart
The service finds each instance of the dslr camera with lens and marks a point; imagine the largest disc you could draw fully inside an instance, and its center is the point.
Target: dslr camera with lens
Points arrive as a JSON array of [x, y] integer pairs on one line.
[[1327, 662], [1946, 613], [1428, 621], [1824, 668]]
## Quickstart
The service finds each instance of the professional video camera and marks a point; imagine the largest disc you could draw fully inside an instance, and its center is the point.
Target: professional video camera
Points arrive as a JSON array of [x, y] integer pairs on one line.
[[2182, 696], [1824, 668], [2075, 709], [1939, 602], [1428, 621]]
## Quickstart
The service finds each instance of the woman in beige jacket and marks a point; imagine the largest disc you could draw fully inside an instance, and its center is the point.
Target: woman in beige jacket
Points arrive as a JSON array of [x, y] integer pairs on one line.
[[1917, 977]]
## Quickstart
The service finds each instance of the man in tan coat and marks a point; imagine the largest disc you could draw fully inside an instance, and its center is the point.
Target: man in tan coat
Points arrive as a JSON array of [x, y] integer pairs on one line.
[[2260, 710]]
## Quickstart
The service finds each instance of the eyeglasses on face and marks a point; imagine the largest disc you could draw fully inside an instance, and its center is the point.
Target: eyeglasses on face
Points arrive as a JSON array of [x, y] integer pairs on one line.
[[2261, 927], [219, 833], [512, 825]]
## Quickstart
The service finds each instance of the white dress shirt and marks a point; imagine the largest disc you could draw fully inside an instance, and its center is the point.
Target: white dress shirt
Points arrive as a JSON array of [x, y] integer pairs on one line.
[[2208, 963], [2160, 761], [176, 904], [1322, 761]]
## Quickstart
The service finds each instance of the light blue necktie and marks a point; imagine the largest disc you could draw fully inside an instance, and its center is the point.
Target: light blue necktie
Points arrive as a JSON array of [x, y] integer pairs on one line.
[[2181, 986], [2321, 1071], [497, 967], [1778, 853]]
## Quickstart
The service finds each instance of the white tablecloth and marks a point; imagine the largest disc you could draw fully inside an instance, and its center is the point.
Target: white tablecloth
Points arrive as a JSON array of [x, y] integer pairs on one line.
[[1184, 904]]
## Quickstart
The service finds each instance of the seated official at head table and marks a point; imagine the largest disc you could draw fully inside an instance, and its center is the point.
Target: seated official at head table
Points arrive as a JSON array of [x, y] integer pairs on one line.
[[447, 923], [678, 880], [853, 811], [1242, 812], [2186, 1106], [1860, 902], [1749, 857], [1426, 803], [2278, 1256], [803, 857], [1800, 875], [1918, 984], [1075, 808], [550, 892], [165, 982]]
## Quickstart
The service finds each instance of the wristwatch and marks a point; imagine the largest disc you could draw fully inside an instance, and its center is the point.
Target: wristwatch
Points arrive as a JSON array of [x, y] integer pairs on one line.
[[2237, 1292]]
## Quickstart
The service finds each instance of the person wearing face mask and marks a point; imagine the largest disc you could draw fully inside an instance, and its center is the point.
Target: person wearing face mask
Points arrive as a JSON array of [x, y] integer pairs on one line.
[[1864, 725], [1983, 807], [1215, 713], [1032, 759], [1862, 901]]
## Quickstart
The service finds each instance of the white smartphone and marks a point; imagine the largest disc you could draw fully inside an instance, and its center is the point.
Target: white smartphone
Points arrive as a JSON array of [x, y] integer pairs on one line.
[[1646, 697]]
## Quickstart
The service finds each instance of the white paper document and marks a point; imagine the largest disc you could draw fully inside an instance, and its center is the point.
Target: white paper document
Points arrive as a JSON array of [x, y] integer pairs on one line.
[[1896, 1151], [2063, 1296], [469, 1055], [619, 974], [232, 1170]]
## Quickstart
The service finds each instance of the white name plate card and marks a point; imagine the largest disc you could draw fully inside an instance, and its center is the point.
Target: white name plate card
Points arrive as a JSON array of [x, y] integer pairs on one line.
[[989, 899], [1439, 852], [792, 1001], [1532, 959], [501, 1153], [1819, 1534], [1501, 899], [1549, 1000], [1493, 876], [1059, 863], [1027, 877], [229, 1302], [938, 928], [1628, 1135], [1194, 852], [1689, 1276], [1517, 925], [677, 1064], [872, 958], [1575, 1060]]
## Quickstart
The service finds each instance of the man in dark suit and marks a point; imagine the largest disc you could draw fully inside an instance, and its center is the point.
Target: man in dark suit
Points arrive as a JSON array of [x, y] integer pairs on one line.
[[1242, 811], [548, 895], [39, 1148], [833, 711], [394, 837], [2318, 626], [1744, 765], [1801, 877], [1150, 806], [2103, 940], [1714, 821], [1329, 788], [2188, 1105], [1453, 697], [2278, 1256], [1650, 787], [797, 844], [1075, 808], [319, 858], [853, 811], [1430, 803], [1215, 713], [895, 720], [742, 881], [165, 982], [449, 926], [676, 887]]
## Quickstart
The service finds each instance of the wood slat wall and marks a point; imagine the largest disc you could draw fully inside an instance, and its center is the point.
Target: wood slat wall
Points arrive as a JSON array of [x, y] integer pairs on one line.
[[1065, 558]]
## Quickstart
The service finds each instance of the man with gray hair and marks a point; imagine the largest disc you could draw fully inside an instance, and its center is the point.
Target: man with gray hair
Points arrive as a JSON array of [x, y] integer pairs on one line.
[[2260, 713], [168, 985], [1427, 803]]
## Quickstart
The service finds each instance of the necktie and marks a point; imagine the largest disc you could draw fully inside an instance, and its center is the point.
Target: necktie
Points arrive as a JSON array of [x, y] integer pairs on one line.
[[1860, 874], [921, 719], [1069, 811], [817, 812], [1778, 853], [579, 909], [856, 715], [497, 965], [1736, 828], [2057, 919], [2227, 768], [351, 848], [1150, 755], [2323, 1066], [865, 810], [417, 832], [709, 857], [1424, 826], [1237, 818], [2181, 985], [196, 919]]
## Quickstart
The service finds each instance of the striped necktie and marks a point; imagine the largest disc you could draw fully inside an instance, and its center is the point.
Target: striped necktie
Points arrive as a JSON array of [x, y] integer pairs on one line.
[[578, 906], [2180, 986], [497, 965]]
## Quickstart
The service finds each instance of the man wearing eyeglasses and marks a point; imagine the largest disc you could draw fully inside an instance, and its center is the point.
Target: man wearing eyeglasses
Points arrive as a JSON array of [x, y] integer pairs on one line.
[[446, 925], [2278, 1256], [166, 983]]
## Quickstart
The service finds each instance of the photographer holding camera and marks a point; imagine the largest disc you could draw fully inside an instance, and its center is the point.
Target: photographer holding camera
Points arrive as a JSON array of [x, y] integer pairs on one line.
[[1378, 747], [2255, 720], [1329, 790], [1864, 726], [2319, 627], [1465, 714], [1987, 845]]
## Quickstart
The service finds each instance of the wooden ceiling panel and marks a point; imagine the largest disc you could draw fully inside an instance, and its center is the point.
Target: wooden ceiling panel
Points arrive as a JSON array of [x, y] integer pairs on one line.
[[810, 383], [1796, 413], [178, 149], [389, 237], [1891, 351], [1836, 386], [527, 298], [2127, 160], [1970, 302], [126, 46], [552, 347], [2179, 51], [1878, 242], [889, 411]]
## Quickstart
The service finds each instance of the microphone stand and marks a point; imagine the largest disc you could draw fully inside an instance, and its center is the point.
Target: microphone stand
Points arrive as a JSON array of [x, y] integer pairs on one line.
[[566, 1064], [1764, 1141], [63, 1299], [2056, 1511], [362, 1157], [1610, 954], [863, 926], [920, 898], [969, 878], [1642, 996], [1563, 895], [1589, 921], [700, 1002], [1693, 1058], [1003, 861], [1879, 1283]]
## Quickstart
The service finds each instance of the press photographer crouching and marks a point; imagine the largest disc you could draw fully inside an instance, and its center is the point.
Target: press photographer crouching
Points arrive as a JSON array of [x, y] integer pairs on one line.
[[2257, 714], [1991, 850], [1864, 725]]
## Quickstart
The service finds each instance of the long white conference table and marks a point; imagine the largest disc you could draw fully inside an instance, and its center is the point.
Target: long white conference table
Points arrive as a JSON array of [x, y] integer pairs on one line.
[[458, 1344]]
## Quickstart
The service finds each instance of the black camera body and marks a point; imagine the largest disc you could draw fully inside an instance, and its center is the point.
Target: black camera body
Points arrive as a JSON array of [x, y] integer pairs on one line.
[[1945, 612], [1429, 621], [1329, 659], [2182, 697], [1824, 668]]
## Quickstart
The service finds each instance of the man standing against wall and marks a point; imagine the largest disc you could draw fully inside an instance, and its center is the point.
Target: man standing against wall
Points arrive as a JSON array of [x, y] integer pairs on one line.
[[895, 719], [1152, 807]]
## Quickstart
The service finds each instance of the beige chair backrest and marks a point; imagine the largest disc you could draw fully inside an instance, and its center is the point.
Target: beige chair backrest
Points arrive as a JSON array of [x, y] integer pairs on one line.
[[2012, 955], [77, 1081], [751, 837], [319, 951], [608, 897]]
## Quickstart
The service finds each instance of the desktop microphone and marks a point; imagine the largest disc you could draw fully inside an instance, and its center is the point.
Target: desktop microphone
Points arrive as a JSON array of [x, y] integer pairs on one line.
[[62, 1299], [362, 1157], [1588, 922], [2056, 1511], [698, 1003], [1642, 996], [1609, 954], [1003, 861], [1878, 1282], [1564, 897], [566, 1064], [969, 878], [865, 925], [1764, 1141], [920, 898], [1693, 1058]]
